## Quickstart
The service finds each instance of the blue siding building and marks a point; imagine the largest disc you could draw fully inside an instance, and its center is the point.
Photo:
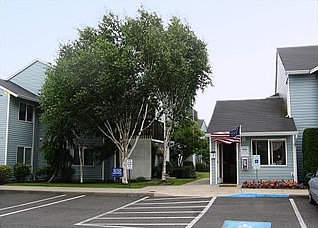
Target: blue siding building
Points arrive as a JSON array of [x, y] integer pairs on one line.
[[271, 127], [19, 116], [297, 84]]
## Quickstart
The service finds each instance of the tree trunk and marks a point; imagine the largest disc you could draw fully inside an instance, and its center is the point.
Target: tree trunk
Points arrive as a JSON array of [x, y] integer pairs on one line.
[[124, 179], [81, 156]]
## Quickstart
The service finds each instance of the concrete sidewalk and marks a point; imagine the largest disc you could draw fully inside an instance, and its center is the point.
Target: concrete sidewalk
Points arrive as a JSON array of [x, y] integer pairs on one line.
[[200, 188]]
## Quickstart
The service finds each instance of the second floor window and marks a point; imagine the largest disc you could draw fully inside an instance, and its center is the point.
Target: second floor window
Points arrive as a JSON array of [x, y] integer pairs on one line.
[[26, 112]]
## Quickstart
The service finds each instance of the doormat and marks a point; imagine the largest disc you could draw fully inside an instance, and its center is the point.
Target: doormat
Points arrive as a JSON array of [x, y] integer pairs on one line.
[[227, 185]]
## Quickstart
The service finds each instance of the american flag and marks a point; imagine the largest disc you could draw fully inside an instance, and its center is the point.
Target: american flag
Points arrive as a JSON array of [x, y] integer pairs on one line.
[[228, 137]]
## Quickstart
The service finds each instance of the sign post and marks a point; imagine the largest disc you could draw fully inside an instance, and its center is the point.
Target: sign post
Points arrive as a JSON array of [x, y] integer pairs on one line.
[[129, 167], [256, 163]]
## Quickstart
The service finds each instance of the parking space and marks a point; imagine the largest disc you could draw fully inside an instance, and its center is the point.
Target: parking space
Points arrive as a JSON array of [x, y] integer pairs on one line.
[[158, 212], [278, 212], [80, 210]]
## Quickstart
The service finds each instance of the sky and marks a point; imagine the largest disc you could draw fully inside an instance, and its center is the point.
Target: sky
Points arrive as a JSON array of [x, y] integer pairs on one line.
[[241, 35]]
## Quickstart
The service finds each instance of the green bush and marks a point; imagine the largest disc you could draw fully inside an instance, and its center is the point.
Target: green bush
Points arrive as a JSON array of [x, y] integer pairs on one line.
[[5, 174], [157, 170], [141, 179], [310, 150], [67, 174], [188, 163], [201, 167], [183, 172], [21, 171]]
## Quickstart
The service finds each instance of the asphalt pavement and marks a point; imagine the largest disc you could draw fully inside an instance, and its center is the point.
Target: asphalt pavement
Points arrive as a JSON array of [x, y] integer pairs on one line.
[[199, 187]]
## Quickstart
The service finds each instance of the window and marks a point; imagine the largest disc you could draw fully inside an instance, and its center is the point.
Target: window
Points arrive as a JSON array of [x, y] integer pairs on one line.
[[24, 155], [88, 157], [272, 152], [25, 112]]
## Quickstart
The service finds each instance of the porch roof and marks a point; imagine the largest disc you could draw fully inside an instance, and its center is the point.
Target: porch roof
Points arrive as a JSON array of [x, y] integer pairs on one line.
[[256, 115], [17, 91]]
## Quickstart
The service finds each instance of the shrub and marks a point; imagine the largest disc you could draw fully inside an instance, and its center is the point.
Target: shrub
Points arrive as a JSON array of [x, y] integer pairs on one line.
[[183, 172], [141, 179], [272, 184], [188, 163], [21, 171], [157, 170], [5, 174], [67, 174], [310, 150], [201, 167]]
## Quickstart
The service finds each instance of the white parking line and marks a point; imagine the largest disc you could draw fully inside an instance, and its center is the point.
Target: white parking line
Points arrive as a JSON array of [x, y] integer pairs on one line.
[[194, 221], [109, 212], [33, 202], [44, 205], [298, 215], [156, 203]]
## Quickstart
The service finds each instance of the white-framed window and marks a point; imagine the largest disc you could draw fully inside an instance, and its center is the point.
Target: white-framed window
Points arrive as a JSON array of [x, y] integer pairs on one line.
[[25, 112], [24, 155], [272, 152], [88, 157]]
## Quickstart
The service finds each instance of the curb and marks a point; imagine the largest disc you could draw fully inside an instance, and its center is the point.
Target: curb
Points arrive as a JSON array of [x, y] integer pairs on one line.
[[120, 194]]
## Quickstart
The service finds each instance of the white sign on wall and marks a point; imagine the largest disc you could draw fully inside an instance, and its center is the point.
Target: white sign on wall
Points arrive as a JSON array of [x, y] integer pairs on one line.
[[245, 152]]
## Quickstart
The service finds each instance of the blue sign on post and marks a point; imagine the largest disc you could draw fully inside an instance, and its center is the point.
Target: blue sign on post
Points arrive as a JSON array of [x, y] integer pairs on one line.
[[117, 172]]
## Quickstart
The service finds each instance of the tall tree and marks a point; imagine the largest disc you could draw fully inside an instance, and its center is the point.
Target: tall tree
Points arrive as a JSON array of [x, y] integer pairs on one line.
[[126, 73], [182, 69]]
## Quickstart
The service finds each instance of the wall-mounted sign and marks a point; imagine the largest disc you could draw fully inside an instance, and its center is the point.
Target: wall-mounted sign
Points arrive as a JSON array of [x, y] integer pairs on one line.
[[245, 152]]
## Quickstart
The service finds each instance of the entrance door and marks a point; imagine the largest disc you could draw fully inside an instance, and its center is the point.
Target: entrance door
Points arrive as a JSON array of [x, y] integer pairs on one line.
[[229, 163]]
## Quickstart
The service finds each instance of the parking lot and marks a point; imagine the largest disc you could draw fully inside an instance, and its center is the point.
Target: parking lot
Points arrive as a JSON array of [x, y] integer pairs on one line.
[[80, 210]]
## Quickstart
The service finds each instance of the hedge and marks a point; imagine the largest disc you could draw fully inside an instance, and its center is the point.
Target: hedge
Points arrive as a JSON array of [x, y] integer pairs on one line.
[[5, 173], [310, 150]]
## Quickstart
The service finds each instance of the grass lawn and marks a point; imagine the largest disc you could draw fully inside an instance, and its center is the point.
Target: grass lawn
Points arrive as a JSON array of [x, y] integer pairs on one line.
[[133, 184]]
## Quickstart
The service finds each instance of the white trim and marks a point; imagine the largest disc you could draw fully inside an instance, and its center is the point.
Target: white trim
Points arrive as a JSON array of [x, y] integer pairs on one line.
[[295, 159], [310, 71], [216, 162], [17, 95], [238, 148], [288, 101], [274, 133], [8, 91], [292, 72], [27, 66], [33, 139], [7, 132], [313, 70]]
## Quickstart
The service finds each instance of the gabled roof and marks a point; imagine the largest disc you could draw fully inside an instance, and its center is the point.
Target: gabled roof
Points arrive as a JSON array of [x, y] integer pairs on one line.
[[27, 66], [299, 60], [17, 91], [255, 116]]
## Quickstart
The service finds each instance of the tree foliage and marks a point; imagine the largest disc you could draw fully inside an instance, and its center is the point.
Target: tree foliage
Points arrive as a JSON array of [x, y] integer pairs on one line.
[[310, 150], [121, 76], [188, 139]]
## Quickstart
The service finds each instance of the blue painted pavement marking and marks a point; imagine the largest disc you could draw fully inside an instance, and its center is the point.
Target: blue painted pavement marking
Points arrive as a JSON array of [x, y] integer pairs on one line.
[[245, 224], [278, 195]]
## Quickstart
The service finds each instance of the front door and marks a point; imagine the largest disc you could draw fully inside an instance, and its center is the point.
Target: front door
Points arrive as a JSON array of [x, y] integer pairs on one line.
[[229, 163]]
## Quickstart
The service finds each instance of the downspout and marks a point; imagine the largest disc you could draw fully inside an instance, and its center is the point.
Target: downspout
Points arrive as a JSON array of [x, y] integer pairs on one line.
[[295, 158], [7, 131]]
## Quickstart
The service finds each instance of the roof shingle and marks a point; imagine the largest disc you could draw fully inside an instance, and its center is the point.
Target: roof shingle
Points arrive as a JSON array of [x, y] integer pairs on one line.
[[257, 115]]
